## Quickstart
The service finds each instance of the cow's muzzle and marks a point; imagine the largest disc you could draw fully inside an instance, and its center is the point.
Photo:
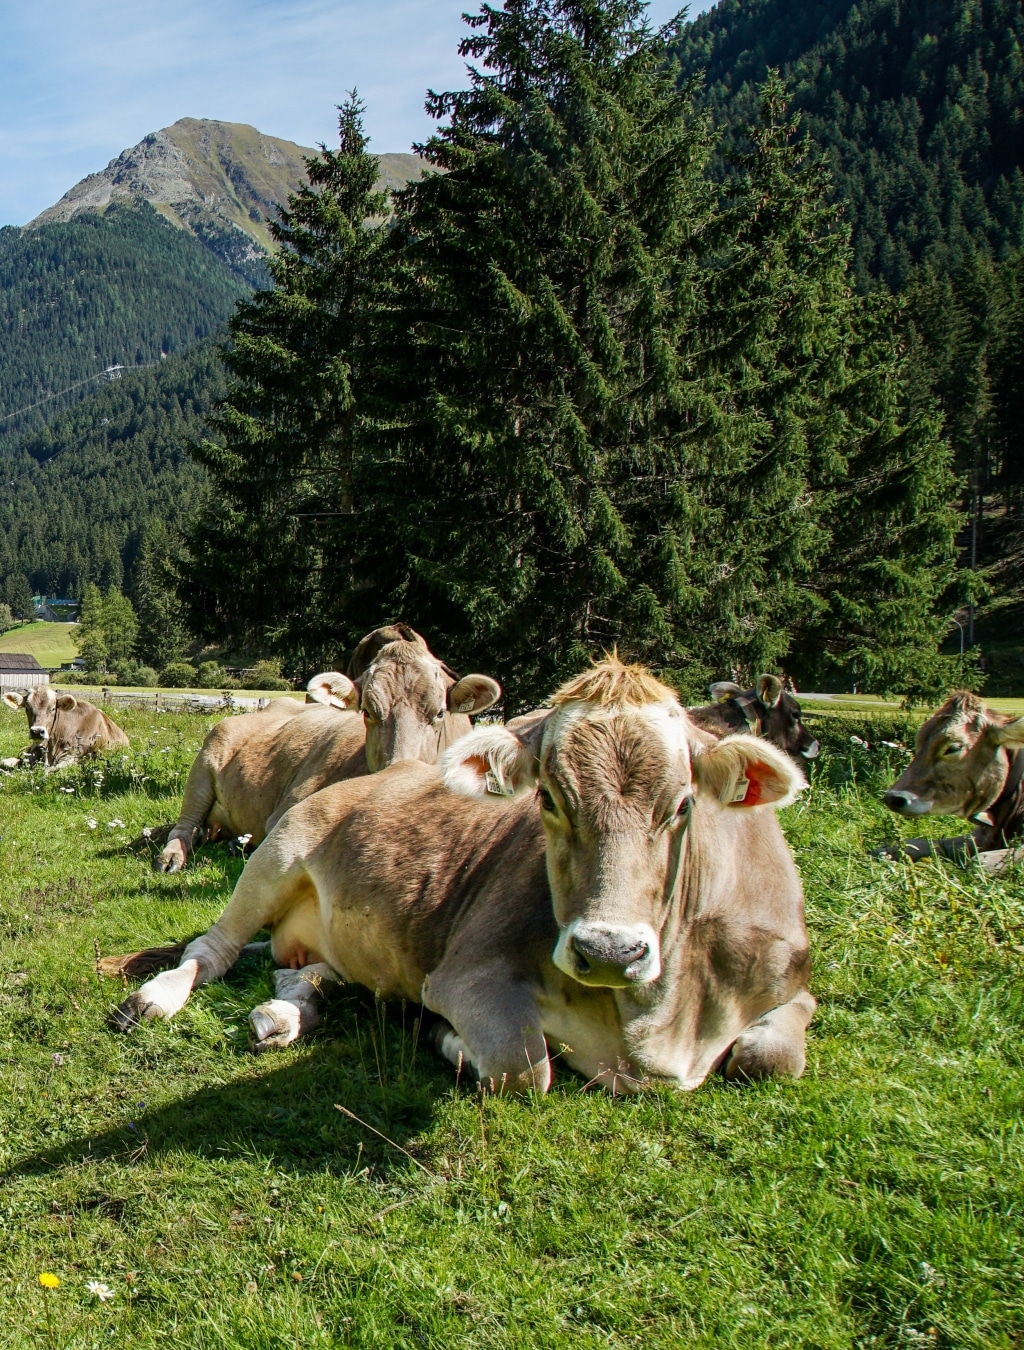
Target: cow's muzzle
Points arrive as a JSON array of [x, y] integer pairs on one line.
[[811, 751], [906, 803], [608, 955], [39, 733]]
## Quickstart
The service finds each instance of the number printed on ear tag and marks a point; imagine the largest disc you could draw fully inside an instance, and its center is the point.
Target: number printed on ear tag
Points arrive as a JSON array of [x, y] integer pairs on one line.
[[496, 787], [742, 788]]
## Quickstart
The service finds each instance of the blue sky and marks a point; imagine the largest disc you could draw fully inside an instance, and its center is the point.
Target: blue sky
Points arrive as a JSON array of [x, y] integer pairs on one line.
[[84, 79]]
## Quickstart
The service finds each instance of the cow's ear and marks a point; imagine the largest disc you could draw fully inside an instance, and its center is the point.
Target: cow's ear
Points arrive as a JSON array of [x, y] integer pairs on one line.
[[335, 690], [769, 689], [492, 761], [15, 698], [473, 694], [1011, 733], [722, 690], [65, 702], [747, 771]]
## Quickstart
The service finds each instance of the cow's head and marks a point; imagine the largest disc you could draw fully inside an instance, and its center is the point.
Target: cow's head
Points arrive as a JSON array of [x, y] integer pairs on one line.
[[412, 704], [617, 767], [41, 705], [778, 713], [961, 762]]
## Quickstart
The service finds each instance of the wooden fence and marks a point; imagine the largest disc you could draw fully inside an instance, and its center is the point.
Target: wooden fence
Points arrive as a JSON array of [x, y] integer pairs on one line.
[[163, 701]]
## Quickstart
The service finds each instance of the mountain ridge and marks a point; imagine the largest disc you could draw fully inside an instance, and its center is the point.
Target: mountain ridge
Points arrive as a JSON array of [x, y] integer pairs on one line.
[[203, 174]]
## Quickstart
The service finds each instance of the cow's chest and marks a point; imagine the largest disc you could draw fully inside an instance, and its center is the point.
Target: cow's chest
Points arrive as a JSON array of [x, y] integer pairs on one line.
[[582, 1029]]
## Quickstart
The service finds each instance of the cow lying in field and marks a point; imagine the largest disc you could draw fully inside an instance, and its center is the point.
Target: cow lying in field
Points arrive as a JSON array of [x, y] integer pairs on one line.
[[968, 761], [399, 702], [610, 884], [63, 728], [766, 710]]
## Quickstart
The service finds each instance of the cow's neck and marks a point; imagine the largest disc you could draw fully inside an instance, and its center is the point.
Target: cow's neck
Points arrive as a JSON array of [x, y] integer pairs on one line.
[[1007, 811]]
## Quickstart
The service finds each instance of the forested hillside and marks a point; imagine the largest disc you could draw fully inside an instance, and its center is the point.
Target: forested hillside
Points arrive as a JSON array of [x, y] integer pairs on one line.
[[917, 109], [916, 104], [125, 288], [78, 496]]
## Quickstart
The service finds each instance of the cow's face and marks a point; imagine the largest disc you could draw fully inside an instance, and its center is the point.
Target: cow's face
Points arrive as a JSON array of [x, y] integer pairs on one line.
[[780, 715], [41, 706], [961, 762], [616, 787], [409, 699]]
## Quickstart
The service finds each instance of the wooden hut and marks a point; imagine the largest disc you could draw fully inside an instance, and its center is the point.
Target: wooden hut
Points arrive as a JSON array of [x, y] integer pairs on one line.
[[18, 671]]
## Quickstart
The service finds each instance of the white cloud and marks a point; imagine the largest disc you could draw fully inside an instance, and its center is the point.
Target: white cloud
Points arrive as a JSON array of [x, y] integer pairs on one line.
[[86, 78]]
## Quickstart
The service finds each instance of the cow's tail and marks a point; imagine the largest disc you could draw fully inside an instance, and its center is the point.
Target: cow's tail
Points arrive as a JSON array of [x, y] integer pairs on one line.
[[200, 794]]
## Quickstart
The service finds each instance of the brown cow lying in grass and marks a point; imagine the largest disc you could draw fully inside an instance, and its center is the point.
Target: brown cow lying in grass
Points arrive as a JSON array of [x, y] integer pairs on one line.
[[62, 728], [968, 761], [766, 710], [611, 884], [403, 703]]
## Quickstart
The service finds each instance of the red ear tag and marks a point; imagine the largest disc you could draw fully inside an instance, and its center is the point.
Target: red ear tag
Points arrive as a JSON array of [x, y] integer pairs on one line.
[[752, 795]]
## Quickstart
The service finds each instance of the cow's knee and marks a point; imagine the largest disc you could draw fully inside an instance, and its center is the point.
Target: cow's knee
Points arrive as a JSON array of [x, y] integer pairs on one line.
[[774, 1045], [522, 1065], [762, 1053]]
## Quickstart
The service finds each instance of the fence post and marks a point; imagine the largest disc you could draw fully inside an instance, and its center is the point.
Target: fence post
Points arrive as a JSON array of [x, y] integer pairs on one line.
[[158, 701]]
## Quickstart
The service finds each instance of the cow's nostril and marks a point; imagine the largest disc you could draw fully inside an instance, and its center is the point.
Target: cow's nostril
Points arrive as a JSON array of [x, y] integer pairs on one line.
[[897, 801]]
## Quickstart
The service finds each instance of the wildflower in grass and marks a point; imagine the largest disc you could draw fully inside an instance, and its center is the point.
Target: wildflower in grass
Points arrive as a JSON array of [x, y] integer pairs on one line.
[[49, 1281], [92, 824], [99, 1290]]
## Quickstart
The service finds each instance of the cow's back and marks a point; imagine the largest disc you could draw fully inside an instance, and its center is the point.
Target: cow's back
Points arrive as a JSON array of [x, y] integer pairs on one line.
[[259, 765], [83, 730], [421, 871]]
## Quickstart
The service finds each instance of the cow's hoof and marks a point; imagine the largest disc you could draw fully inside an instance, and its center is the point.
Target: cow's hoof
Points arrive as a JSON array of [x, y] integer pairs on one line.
[[131, 1012], [273, 1025], [887, 853]]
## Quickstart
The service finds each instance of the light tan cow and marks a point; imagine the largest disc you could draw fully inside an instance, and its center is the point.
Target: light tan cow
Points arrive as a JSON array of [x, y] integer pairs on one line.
[[968, 761], [612, 885], [402, 703], [63, 728]]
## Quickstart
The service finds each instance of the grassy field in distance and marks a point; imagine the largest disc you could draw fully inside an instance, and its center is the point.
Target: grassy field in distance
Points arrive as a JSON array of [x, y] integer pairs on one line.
[[50, 643], [874, 1203]]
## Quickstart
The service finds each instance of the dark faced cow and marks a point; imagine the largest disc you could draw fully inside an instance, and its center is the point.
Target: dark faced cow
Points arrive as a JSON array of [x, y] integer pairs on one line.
[[401, 703], [611, 886], [968, 761], [767, 710], [63, 728]]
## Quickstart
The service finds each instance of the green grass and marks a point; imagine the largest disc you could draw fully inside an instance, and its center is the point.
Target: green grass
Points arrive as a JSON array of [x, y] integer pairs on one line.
[[875, 1203], [49, 643]]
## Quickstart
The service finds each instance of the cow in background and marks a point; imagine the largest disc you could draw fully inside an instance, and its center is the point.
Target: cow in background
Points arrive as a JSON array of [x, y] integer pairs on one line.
[[397, 702], [610, 885], [63, 728], [766, 710], [968, 761]]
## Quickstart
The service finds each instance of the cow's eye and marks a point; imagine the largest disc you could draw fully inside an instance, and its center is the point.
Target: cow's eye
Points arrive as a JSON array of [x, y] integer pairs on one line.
[[547, 802], [685, 808], [440, 715], [951, 749]]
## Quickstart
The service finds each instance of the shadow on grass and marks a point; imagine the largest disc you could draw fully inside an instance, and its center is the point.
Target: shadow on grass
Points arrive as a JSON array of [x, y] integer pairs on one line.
[[370, 1059]]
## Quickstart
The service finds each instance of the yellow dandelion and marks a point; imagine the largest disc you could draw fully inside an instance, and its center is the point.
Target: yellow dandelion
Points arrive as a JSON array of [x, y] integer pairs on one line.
[[49, 1281]]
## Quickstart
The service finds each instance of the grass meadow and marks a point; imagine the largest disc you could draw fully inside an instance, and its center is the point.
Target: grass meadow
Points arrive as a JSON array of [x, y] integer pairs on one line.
[[225, 1201]]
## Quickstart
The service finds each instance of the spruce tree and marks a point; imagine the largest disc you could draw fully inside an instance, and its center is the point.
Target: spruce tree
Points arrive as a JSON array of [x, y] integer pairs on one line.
[[268, 566], [527, 503]]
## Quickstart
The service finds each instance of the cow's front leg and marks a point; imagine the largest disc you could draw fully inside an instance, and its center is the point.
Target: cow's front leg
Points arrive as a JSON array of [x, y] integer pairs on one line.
[[296, 1009], [775, 1045], [492, 1029]]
